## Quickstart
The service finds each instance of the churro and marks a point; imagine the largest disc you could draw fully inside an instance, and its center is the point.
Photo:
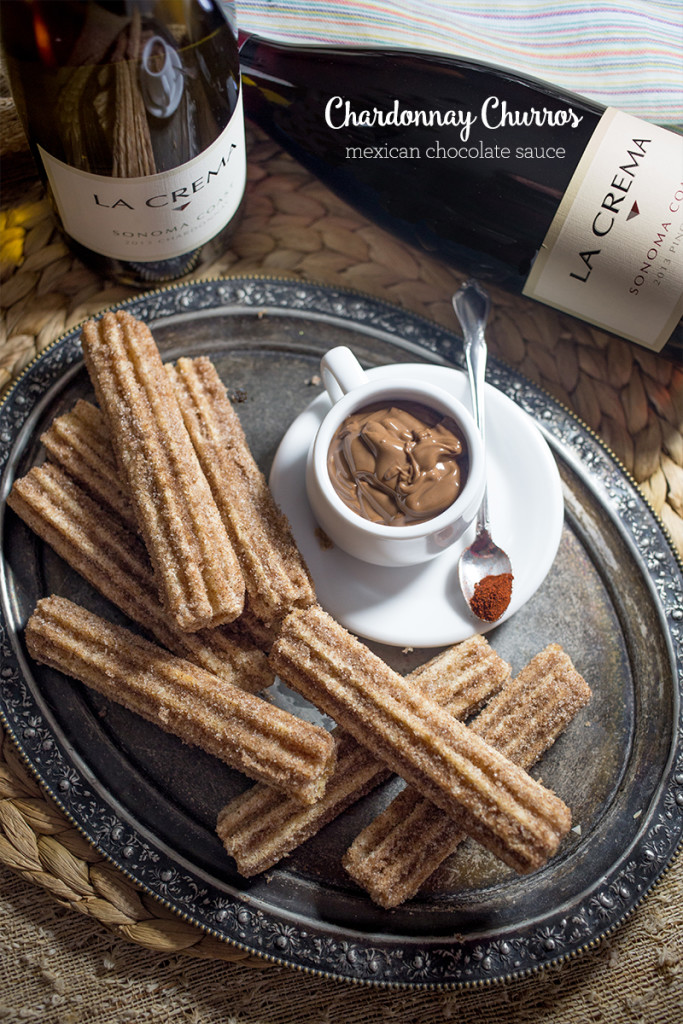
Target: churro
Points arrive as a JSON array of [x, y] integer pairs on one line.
[[78, 441], [491, 798], [276, 577], [261, 826], [195, 566], [404, 845], [95, 542], [263, 741]]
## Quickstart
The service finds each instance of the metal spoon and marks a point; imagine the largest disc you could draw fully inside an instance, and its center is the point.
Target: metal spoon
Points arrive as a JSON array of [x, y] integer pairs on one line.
[[483, 563]]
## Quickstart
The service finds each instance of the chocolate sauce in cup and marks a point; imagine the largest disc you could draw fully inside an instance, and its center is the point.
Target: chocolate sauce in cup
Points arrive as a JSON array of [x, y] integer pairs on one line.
[[398, 463], [396, 472]]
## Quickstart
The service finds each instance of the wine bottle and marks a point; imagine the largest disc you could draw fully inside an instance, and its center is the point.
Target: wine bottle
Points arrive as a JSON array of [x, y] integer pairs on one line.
[[133, 112], [519, 183]]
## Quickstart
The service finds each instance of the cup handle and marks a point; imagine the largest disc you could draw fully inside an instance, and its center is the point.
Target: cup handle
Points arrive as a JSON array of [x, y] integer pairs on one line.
[[341, 372]]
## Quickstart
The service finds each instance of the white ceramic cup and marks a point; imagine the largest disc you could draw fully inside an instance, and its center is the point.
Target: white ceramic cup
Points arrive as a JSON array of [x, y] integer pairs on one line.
[[350, 389]]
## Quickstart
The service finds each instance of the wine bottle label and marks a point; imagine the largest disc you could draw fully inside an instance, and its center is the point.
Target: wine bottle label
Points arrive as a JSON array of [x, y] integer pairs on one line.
[[613, 255], [159, 216]]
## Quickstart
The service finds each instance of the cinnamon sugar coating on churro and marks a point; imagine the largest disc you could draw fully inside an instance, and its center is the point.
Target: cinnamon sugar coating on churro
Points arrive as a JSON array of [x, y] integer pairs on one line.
[[78, 441], [95, 542], [276, 577], [404, 845], [196, 569], [463, 677], [494, 800], [261, 826], [249, 734]]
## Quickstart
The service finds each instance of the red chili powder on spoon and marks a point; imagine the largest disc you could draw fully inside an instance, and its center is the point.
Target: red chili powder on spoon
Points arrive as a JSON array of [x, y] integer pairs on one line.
[[492, 596]]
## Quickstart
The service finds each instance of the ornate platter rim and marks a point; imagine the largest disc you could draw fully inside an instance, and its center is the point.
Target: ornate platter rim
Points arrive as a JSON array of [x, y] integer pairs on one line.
[[338, 953]]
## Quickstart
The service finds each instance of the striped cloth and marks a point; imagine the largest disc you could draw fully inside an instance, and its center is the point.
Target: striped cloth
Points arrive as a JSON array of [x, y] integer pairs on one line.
[[627, 54]]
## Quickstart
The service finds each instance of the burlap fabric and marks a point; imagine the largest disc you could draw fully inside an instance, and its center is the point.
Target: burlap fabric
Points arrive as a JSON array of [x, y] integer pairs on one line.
[[78, 943]]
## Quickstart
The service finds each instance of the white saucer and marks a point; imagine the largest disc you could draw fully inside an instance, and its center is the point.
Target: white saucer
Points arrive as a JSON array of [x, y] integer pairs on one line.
[[422, 606]]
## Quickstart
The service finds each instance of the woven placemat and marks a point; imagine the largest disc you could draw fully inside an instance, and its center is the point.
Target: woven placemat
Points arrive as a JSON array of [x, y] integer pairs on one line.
[[294, 226]]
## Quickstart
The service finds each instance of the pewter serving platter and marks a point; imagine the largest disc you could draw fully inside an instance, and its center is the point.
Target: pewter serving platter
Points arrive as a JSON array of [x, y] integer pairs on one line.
[[613, 598]]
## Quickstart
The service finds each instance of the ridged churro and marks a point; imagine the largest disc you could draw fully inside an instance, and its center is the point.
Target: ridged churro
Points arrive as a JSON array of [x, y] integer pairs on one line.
[[404, 845], [95, 542], [263, 741], [194, 563], [494, 800], [276, 577], [261, 826], [78, 441]]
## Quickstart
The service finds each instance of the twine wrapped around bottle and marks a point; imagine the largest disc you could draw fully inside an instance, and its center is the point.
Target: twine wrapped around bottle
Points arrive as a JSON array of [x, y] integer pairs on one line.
[[108, 90], [132, 146]]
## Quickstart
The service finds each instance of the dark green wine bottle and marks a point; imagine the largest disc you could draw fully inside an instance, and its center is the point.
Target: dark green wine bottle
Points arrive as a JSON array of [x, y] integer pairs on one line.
[[507, 178]]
